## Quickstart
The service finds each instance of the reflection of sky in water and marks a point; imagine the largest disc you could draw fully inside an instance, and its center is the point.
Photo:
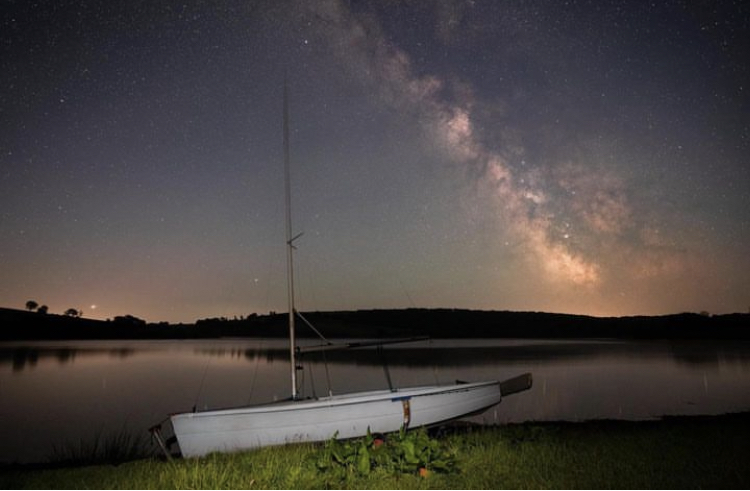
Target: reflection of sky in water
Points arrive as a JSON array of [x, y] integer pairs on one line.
[[64, 391]]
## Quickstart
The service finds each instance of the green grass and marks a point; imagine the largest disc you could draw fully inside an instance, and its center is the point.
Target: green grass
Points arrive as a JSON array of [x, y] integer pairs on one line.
[[695, 452], [112, 448]]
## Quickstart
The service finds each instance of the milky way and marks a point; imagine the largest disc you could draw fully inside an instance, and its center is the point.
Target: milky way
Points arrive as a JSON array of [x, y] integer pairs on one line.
[[584, 157]]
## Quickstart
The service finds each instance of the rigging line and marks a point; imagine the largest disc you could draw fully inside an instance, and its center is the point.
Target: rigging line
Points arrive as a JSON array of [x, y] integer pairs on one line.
[[311, 285], [403, 287], [435, 367], [328, 375], [306, 295], [301, 377], [387, 372], [203, 380], [312, 379], [255, 372], [299, 314], [273, 266], [309, 369]]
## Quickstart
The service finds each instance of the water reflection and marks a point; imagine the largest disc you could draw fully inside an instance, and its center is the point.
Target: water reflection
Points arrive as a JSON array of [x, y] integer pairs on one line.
[[23, 357], [463, 353], [67, 391], [250, 354], [458, 353]]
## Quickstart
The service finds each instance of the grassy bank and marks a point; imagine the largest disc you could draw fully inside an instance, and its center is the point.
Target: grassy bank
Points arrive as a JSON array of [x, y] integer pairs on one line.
[[691, 452]]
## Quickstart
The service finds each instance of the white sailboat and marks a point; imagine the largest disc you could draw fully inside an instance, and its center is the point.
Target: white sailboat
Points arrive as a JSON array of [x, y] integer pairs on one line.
[[318, 419]]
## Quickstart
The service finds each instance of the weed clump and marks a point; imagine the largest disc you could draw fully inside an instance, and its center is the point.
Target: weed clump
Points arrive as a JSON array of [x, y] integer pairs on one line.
[[406, 452]]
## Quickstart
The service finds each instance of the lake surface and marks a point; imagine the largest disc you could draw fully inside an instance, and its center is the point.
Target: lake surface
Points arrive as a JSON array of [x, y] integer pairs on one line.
[[59, 393]]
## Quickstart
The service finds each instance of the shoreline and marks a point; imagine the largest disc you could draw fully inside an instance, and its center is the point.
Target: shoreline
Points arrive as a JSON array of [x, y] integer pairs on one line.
[[698, 432]]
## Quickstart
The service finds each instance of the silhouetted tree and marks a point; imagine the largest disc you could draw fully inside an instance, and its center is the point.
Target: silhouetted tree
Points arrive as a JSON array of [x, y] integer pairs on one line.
[[129, 320], [73, 313], [43, 309], [31, 305]]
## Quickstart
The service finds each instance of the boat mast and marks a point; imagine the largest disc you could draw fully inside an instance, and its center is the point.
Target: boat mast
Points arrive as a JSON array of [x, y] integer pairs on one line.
[[289, 246]]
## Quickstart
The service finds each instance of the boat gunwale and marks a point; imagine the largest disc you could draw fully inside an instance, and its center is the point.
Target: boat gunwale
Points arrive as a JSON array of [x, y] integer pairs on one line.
[[339, 400]]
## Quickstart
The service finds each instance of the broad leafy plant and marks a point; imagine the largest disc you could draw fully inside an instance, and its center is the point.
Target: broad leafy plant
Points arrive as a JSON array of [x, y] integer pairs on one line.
[[402, 452]]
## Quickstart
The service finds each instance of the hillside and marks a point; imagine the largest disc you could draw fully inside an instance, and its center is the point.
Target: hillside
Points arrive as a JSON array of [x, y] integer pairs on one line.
[[436, 323]]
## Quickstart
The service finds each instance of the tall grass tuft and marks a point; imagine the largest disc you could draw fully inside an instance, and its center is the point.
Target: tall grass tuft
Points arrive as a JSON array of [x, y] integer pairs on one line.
[[111, 448]]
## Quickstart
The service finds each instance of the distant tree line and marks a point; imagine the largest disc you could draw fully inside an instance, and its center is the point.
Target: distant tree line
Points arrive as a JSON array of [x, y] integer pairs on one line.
[[434, 323], [32, 306]]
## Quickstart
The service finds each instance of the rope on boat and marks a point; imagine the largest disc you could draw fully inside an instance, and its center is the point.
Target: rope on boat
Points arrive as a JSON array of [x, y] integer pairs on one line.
[[299, 314], [325, 360], [312, 379], [255, 372], [203, 380], [328, 375], [386, 370]]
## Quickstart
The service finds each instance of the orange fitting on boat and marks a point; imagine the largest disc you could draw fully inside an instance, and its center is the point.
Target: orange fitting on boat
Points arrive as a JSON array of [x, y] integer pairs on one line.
[[407, 412]]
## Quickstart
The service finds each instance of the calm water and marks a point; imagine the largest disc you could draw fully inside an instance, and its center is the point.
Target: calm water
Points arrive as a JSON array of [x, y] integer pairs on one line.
[[62, 392]]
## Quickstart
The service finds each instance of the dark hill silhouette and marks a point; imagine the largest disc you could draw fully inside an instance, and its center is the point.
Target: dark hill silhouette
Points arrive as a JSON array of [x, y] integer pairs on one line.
[[435, 323]]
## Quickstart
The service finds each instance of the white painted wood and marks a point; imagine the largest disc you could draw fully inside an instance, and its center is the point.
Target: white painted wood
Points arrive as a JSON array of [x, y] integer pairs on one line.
[[346, 416]]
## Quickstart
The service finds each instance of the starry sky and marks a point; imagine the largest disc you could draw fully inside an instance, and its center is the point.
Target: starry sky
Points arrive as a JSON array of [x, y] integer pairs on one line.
[[586, 157]]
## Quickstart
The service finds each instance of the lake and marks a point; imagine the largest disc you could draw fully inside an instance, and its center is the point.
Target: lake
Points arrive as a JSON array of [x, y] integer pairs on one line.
[[58, 393]]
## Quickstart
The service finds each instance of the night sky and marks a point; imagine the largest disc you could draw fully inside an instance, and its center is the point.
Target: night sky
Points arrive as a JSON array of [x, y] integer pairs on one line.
[[586, 157]]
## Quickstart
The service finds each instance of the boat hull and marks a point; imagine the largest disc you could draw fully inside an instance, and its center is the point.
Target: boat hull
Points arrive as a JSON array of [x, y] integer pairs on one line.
[[346, 416]]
